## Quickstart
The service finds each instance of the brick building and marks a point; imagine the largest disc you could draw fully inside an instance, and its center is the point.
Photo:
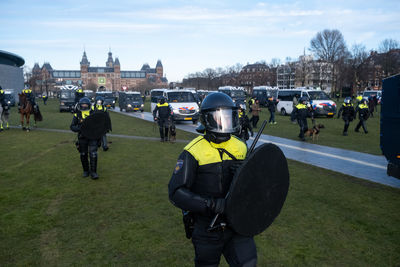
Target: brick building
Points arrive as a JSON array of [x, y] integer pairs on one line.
[[110, 77]]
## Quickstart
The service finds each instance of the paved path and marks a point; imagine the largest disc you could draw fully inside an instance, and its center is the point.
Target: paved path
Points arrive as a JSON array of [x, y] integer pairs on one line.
[[360, 165]]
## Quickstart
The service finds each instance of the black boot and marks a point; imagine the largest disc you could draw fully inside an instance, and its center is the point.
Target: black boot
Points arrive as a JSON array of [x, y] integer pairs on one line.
[[93, 167], [85, 164], [161, 134]]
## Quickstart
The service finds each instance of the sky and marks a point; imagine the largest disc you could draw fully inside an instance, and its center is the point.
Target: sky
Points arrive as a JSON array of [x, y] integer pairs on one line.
[[187, 36]]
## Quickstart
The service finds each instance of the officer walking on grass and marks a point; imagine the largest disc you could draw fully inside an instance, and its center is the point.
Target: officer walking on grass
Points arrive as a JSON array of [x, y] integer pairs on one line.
[[202, 178], [99, 107], [272, 102], [162, 114], [347, 112], [363, 114], [300, 112], [87, 147]]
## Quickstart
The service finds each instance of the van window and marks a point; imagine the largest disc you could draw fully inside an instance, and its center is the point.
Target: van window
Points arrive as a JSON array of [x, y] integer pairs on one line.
[[180, 97], [319, 95], [155, 95]]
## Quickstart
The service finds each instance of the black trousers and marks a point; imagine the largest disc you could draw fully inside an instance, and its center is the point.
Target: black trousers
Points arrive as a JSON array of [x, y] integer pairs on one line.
[[346, 124], [163, 125], [363, 124], [303, 127], [254, 120], [238, 250]]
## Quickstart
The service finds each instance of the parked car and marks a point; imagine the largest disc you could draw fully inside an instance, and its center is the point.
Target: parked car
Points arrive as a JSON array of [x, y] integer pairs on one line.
[[130, 101]]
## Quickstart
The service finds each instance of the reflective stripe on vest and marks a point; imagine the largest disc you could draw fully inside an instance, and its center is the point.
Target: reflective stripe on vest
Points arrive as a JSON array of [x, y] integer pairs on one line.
[[162, 105]]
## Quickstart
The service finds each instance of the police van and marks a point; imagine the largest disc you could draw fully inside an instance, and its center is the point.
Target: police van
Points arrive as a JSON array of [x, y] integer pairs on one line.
[[155, 95], [130, 101], [237, 94], [263, 92], [319, 100], [67, 97], [183, 104]]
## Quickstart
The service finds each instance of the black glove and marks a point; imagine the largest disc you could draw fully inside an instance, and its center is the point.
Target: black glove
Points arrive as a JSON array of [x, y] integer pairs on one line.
[[216, 205]]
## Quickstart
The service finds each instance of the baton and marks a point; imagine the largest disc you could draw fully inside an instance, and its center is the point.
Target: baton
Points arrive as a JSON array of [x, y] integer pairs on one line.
[[213, 227]]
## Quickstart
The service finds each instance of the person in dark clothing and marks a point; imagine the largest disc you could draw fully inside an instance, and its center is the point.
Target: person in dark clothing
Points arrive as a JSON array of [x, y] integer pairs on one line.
[[347, 112], [44, 97], [272, 102], [363, 114], [99, 107], [301, 112], [201, 179], [31, 98], [87, 147], [4, 110], [372, 100], [162, 114], [245, 126]]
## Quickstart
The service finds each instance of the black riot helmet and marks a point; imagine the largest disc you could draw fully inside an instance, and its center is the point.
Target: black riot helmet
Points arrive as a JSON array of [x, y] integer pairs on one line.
[[162, 100], [84, 104], [347, 100], [99, 100], [303, 100], [219, 115]]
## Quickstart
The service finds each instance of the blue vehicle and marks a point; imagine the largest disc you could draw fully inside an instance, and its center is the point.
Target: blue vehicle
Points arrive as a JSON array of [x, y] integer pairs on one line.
[[390, 124]]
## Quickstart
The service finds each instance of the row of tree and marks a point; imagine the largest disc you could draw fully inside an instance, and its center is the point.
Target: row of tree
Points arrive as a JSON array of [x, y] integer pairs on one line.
[[352, 68]]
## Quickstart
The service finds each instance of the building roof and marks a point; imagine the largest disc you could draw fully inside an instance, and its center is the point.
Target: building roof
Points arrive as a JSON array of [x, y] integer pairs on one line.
[[145, 66], [159, 64], [100, 69], [84, 60], [7, 58], [117, 62], [47, 66]]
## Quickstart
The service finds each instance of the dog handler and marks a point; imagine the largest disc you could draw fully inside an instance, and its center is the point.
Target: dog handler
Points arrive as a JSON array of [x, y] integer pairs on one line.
[[347, 112], [201, 179], [163, 118]]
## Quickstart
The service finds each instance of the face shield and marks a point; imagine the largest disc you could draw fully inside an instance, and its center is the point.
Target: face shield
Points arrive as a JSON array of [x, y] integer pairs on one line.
[[83, 107], [222, 121], [99, 102]]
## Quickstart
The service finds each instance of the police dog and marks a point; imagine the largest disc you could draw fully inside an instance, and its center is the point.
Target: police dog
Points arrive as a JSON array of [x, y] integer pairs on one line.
[[172, 133], [314, 131]]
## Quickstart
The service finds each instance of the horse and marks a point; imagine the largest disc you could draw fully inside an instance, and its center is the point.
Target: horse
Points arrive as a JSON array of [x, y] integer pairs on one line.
[[26, 109]]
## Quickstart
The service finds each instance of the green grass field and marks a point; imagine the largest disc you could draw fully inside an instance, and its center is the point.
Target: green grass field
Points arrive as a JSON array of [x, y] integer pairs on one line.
[[51, 216]]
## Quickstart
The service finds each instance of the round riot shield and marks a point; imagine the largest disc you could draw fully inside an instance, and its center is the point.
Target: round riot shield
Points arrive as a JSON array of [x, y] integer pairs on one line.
[[258, 191], [95, 125]]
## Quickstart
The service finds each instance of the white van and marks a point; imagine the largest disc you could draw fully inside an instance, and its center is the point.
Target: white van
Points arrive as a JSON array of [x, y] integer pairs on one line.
[[155, 95], [319, 100], [183, 104]]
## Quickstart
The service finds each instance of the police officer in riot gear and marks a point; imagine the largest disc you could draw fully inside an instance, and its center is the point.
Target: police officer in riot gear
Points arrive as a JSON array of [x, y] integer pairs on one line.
[[201, 180], [86, 147], [300, 112], [347, 112], [99, 107], [163, 110], [78, 95], [31, 98], [363, 114], [244, 122]]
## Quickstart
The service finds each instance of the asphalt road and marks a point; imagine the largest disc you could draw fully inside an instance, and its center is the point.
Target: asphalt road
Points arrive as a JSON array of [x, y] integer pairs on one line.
[[359, 165]]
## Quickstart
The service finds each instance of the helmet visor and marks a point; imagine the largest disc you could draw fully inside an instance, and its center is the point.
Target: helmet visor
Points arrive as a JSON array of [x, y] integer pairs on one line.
[[222, 120]]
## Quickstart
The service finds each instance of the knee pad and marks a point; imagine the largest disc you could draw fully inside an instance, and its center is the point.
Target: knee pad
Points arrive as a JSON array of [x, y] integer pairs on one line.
[[93, 150], [83, 154]]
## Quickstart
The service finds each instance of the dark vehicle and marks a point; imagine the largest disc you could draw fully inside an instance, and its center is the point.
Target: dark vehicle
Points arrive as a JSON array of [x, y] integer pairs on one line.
[[89, 94], [130, 101], [67, 100], [109, 99], [9, 98], [262, 93], [238, 95], [390, 124], [202, 94]]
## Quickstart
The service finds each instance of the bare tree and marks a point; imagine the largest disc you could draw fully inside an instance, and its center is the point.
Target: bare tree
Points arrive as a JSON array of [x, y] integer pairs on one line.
[[387, 45], [390, 59], [275, 62], [358, 60], [329, 46]]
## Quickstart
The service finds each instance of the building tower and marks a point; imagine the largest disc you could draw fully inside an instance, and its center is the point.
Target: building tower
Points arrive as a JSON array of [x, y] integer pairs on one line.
[[84, 69], [110, 61], [159, 69], [117, 75]]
